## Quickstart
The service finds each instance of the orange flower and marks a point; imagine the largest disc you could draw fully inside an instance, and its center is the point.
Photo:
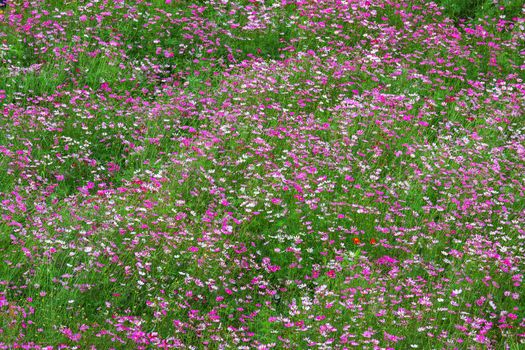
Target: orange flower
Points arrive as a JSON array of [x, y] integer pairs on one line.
[[356, 240], [373, 241]]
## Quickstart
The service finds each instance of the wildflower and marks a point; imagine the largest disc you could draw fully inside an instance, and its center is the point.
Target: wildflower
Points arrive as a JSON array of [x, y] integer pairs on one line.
[[386, 260], [331, 273], [356, 240], [456, 292], [3, 301]]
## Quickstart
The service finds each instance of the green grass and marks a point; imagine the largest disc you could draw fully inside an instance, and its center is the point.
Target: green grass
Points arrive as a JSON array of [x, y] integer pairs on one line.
[[473, 9]]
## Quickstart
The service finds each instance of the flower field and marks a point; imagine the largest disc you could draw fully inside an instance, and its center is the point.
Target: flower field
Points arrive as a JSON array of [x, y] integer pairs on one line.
[[285, 174]]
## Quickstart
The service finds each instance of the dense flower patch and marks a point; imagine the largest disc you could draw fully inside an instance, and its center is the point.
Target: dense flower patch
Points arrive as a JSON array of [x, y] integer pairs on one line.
[[261, 174]]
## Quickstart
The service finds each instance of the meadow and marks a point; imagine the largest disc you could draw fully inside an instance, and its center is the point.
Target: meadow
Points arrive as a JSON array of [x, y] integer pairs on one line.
[[285, 174]]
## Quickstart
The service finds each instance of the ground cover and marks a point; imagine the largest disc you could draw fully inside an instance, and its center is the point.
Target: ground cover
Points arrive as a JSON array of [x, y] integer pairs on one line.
[[262, 174]]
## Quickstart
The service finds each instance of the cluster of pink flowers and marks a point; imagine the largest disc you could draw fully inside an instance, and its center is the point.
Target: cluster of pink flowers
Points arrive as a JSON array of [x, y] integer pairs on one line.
[[260, 174]]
